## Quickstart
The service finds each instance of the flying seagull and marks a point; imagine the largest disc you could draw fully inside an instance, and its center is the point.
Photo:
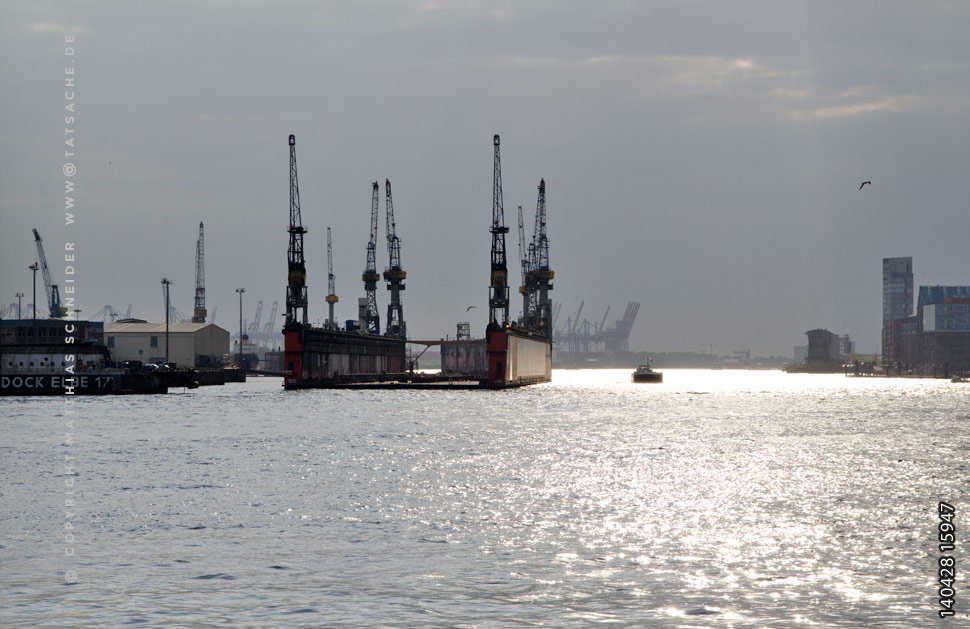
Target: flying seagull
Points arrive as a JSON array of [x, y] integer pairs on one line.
[[469, 308], [864, 183]]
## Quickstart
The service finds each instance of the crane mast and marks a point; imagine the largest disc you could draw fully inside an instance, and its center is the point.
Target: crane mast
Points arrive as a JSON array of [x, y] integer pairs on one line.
[[331, 290], [498, 299], [543, 274], [53, 294], [296, 293], [394, 275], [371, 322], [198, 315], [524, 260]]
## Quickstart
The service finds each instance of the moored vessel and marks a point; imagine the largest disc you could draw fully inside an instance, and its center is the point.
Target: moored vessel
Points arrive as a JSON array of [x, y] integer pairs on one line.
[[645, 373]]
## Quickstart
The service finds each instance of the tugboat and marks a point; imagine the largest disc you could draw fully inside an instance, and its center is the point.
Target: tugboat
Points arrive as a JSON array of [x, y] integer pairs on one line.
[[645, 373]]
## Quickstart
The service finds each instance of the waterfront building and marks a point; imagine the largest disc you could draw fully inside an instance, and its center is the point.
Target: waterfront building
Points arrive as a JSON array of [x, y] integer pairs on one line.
[[897, 298], [189, 344]]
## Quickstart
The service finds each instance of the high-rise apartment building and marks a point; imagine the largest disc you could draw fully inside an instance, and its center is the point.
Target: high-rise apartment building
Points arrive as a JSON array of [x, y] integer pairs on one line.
[[897, 299]]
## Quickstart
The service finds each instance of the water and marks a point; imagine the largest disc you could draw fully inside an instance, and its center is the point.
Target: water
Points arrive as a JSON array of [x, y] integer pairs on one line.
[[717, 499]]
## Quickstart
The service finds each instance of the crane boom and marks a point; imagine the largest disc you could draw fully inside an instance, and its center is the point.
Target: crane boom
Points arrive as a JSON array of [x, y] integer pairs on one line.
[[198, 315], [296, 293], [498, 299], [53, 294], [372, 319]]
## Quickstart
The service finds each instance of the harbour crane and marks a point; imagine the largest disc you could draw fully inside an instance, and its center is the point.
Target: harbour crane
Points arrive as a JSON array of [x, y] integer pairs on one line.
[[372, 318], [270, 326], [53, 294], [331, 290], [524, 263], [296, 294], [199, 313], [394, 275], [254, 328], [543, 274], [498, 299]]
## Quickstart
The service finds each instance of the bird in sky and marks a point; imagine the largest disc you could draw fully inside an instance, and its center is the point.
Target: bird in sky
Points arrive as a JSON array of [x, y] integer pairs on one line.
[[469, 308], [864, 183]]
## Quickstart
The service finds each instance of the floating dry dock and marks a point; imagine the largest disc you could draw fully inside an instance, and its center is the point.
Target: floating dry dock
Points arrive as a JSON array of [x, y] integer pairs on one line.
[[361, 355]]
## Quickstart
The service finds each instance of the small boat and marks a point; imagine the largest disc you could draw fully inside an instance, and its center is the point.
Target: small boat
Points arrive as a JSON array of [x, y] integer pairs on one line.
[[958, 379], [645, 373]]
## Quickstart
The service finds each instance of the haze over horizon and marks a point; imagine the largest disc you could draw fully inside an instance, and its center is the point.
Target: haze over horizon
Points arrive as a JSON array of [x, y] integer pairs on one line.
[[703, 159]]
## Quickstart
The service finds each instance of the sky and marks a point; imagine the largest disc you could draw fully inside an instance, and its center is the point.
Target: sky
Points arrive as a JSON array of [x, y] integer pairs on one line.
[[700, 158]]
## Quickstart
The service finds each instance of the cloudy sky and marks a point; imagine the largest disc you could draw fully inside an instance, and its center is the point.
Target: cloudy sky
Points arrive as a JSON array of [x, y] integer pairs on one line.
[[701, 158]]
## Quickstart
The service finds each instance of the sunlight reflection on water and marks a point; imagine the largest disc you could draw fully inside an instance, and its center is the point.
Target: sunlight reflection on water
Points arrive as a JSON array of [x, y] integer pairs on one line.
[[717, 498]]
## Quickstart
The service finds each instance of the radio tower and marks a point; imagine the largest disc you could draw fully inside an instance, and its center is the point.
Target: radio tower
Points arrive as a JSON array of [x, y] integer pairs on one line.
[[198, 315], [372, 319], [331, 292], [394, 275], [296, 295], [498, 299]]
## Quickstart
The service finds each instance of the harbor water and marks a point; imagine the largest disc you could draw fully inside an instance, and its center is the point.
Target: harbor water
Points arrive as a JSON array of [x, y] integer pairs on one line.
[[714, 499]]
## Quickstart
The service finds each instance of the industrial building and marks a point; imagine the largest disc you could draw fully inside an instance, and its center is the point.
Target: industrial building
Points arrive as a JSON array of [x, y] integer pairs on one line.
[[189, 344]]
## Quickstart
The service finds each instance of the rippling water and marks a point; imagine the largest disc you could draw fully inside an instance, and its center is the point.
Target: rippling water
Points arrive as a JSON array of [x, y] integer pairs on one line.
[[719, 498]]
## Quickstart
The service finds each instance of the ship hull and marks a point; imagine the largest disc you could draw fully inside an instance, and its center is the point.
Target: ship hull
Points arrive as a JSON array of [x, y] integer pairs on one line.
[[516, 358], [315, 358]]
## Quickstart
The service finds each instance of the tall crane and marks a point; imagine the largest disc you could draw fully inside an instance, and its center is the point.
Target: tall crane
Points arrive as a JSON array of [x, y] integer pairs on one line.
[[394, 275], [372, 318], [296, 295], [543, 274], [254, 327], [498, 299], [524, 260], [270, 326], [331, 290], [198, 315], [53, 294]]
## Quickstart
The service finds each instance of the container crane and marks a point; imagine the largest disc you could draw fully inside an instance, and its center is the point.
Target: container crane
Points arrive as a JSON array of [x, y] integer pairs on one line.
[[254, 327], [270, 324], [198, 315], [394, 275], [331, 291], [498, 299], [372, 318], [53, 294]]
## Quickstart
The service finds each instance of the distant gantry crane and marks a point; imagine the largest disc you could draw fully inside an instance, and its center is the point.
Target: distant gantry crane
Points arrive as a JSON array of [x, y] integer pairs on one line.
[[372, 319], [199, 313], [53, 294], [331, 288], [270, 327], [394, 275]]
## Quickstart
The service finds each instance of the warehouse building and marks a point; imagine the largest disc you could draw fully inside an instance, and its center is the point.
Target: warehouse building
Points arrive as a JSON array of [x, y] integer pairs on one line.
[[189, 344]]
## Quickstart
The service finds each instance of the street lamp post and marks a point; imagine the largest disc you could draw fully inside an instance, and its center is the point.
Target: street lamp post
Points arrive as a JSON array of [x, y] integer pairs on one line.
[[166, 283], [240, 291], [19, 295], [33, 267]]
